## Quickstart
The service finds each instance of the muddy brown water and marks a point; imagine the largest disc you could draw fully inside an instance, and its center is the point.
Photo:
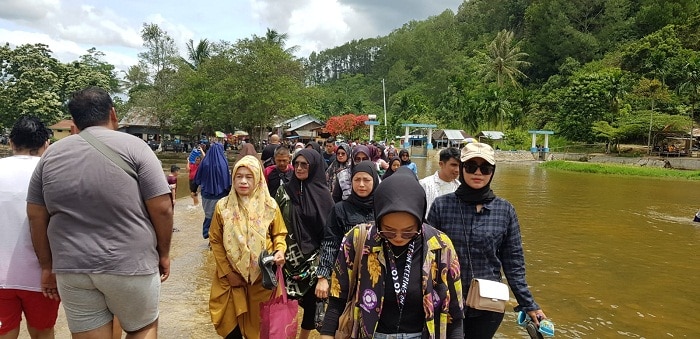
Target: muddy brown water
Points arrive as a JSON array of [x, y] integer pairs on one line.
[[607, 256]]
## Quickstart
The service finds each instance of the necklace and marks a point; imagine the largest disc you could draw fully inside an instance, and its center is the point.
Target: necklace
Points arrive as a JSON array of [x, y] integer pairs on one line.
[[400, 254]]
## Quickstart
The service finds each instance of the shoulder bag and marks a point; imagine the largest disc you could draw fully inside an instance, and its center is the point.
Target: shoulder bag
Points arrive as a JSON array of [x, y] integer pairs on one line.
[[108, 153], [484, 294], [347, 322]]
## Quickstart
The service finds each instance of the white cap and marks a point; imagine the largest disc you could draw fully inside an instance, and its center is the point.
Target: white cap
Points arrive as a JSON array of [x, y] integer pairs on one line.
[[478, 150]]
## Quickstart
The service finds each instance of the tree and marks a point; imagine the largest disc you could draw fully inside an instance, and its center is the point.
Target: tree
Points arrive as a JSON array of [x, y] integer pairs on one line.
[[502, 60], [196, 55], [30, 83], [654, 91], [349, 125]]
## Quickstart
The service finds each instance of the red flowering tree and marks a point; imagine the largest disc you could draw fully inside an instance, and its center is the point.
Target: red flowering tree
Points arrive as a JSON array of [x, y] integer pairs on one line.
[[349, 125]]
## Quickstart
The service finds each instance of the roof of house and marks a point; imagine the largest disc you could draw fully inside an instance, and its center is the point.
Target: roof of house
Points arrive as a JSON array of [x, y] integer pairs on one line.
[[139, 116], [299, 121], [493, 135], [63, 124], [450, 134]]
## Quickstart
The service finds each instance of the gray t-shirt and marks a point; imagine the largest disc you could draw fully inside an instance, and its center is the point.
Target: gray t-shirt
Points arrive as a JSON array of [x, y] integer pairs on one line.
[[98, 219]]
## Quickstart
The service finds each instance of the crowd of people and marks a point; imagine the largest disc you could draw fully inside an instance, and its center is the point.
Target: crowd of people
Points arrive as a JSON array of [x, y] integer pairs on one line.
[[317, 210]]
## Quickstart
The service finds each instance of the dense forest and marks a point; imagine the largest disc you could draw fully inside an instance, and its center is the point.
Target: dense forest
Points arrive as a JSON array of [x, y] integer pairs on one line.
[[591, 70]]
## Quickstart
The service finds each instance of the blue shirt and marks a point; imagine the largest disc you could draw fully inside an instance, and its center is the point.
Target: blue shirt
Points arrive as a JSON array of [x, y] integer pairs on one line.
[[490, 238]]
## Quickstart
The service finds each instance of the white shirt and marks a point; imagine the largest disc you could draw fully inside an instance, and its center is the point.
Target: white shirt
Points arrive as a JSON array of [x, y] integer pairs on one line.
[[435, 187], [19, 267]]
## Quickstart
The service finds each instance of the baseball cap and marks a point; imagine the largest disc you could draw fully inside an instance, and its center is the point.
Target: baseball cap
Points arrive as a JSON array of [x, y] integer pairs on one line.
[[174, 168], [477, 150]]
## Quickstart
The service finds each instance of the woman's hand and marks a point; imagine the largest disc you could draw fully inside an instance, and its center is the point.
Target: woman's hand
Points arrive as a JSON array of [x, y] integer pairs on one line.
[[536, 316], [279, 258], [235, 279], [322, 288]]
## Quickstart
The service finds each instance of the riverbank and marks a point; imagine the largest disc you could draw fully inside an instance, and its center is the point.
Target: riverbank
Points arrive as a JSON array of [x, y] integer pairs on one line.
[[619, 169]]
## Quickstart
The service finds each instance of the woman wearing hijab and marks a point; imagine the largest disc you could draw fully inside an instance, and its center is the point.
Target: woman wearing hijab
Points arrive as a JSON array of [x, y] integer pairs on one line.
[[246, 149], [305, 216], [357, 209], [409, 284], [245, 224], [486, 233], [215, 181], [394, 164], [375, 154], [406, 161], [342, 187], [341, 162]]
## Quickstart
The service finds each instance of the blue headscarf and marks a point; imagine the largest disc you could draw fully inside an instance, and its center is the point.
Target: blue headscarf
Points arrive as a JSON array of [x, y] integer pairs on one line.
[[213, 174]]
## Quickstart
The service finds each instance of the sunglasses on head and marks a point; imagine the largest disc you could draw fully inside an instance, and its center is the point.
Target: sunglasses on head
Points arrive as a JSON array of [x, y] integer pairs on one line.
[[484, 168], [393, 234]]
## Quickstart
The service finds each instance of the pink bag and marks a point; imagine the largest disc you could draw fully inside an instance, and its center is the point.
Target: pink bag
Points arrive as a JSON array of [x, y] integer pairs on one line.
[[278, 316]]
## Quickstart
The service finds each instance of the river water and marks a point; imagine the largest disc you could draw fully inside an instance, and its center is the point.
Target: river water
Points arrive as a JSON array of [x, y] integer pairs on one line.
[[607, 256]]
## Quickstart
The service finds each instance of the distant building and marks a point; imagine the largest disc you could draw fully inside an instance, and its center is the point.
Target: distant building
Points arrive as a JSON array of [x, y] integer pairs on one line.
[[303, 127], [490, 137], [62, 129], [449, 137]]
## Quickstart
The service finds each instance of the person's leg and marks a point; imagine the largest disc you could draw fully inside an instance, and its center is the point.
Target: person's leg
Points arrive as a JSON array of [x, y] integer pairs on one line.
[[235, 334], [10, 313], [123, 292], [209, 205], [41, 313], [482, 326], [116, 329], [86, 311], [308, 321]]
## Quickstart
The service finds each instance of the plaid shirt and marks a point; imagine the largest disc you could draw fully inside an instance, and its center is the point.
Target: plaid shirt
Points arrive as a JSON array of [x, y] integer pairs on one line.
[[495, 243]]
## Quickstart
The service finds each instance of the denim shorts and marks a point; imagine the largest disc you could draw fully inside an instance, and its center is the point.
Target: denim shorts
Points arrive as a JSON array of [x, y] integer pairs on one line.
[[92, 300]]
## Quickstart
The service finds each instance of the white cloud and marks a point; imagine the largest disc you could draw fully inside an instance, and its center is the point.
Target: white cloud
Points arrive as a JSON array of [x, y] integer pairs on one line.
[[27, 10]]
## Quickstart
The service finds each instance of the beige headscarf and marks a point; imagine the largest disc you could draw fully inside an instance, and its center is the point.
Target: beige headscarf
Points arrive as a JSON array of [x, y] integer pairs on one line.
[[247, 222]]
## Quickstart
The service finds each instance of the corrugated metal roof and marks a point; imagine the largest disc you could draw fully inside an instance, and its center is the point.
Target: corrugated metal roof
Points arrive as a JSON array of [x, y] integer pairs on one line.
[[299, 122], [493, 135]]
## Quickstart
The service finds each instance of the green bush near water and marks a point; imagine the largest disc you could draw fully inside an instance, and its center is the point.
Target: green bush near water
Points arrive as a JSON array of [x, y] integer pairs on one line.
[[616, 169]]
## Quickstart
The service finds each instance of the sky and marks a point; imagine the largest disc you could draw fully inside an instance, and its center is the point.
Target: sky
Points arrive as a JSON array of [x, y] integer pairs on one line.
[[71, 27]]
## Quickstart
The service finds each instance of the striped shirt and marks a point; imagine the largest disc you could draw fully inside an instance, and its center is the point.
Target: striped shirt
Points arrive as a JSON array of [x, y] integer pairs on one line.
[[491, 238]]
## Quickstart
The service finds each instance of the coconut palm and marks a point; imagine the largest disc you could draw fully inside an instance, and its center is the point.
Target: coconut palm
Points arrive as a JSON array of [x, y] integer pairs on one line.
[[197, 55], [503, 60]]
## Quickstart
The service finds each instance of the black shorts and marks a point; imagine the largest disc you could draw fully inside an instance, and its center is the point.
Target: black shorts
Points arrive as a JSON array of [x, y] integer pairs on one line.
[[193, 186]]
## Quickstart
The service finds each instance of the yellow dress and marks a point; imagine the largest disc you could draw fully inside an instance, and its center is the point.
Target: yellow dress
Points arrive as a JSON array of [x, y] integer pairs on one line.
[[240, 306]]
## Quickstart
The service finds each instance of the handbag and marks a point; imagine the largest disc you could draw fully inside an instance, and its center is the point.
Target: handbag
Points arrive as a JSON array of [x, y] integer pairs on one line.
[[487, 295], [484, 294], [347, 324], [278, 316]]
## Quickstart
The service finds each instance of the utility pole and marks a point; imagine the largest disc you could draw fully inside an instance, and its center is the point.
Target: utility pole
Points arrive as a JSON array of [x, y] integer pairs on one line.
[[386, 128]]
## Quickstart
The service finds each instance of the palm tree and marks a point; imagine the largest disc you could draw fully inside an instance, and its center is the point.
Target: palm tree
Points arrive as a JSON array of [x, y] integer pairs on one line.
[[274, 37], [502, 60], [197, 55]]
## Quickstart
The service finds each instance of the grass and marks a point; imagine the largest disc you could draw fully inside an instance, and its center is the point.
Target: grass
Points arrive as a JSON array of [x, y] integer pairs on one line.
[[617, 169]]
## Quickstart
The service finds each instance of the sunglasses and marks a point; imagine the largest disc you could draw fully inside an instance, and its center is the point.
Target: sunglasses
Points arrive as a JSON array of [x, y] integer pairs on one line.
[[360, 159], [393, 234], [301, 164], [485, 168]]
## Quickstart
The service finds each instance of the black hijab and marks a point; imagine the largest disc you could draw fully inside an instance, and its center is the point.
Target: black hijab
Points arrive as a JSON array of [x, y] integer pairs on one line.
[[368, 201], [472, 196], [401, 152], [311, 201], [390, 171], [316, 146], [400, 193]]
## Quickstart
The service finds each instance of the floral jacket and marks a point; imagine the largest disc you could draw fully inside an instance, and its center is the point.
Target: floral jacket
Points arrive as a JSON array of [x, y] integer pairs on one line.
[[442, 294]]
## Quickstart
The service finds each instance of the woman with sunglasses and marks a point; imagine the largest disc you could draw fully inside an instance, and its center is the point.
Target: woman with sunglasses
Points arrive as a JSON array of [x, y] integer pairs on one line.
[[305, 215], [408, 280], [341, 162], [486, 233]]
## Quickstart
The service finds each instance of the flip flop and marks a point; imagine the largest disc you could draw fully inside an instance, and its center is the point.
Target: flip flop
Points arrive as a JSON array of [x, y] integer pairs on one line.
[[532, 330], [267, 269]]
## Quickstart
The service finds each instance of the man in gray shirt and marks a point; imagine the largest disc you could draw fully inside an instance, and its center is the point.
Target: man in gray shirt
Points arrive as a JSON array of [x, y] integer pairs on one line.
[[104, 233]]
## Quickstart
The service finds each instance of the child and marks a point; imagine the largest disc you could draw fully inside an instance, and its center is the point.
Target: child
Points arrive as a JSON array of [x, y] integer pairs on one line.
[[193, 187], [172, 182]]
